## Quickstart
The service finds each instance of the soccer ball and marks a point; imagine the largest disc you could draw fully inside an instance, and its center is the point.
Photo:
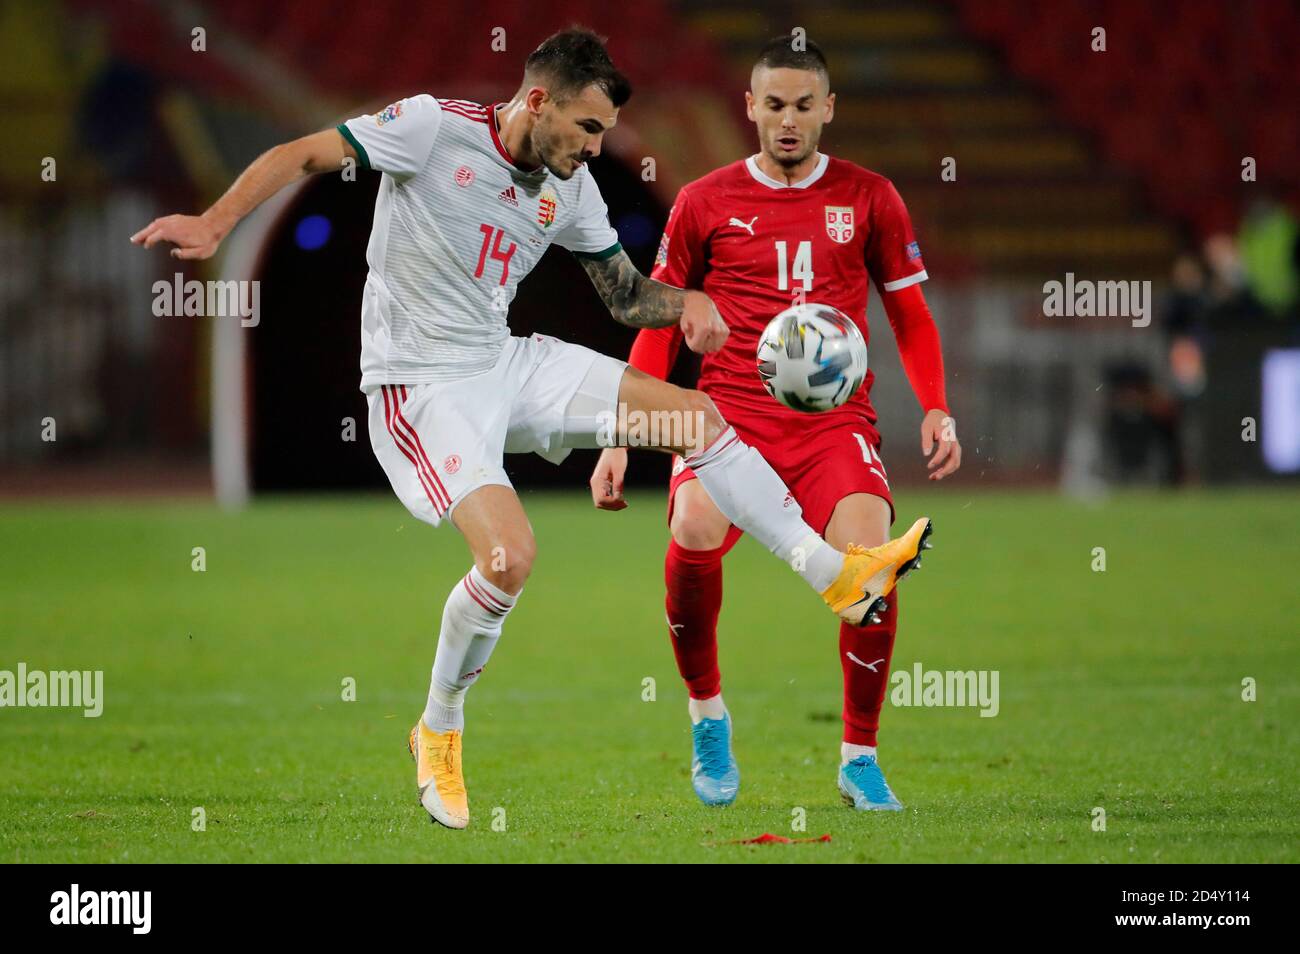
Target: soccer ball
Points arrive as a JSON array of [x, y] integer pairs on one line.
[[812, 357]]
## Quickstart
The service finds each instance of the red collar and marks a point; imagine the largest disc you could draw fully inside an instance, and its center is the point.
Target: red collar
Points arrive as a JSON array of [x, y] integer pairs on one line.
[[496, 140]]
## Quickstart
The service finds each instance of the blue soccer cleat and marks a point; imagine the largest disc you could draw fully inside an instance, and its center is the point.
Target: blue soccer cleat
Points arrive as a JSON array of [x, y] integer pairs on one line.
[[714, 771], [864, 787]]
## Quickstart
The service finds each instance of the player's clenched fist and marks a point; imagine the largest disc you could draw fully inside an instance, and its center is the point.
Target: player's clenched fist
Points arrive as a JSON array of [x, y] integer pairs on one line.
[[607, 479], [703, 327], [195, 236]]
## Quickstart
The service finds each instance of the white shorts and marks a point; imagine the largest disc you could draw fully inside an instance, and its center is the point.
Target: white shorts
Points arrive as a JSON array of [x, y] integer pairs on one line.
[[439, 441]]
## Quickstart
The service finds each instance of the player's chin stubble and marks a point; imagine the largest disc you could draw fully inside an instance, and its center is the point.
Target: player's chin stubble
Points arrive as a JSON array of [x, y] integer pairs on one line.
[[789, 162], [786, 161], [556, 165], [562, 174]]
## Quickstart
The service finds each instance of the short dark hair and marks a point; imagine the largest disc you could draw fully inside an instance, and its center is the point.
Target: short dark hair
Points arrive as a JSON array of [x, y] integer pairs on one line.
[[779, 53], [574, 59]]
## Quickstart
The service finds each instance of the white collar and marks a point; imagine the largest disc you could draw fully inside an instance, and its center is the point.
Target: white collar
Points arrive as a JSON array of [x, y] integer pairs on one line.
[[759, 175]]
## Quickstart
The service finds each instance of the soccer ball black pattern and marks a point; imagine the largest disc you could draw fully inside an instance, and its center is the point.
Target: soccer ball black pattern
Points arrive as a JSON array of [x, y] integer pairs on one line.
[[812, 357]]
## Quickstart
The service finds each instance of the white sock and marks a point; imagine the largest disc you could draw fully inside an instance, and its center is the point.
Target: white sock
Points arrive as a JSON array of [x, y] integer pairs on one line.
[[471, 626], [711, 708], [750, 494], [849, 751]]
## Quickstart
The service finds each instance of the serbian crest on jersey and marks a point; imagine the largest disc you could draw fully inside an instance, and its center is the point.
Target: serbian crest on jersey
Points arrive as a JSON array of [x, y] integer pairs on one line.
[[546, 204], [839, 223]]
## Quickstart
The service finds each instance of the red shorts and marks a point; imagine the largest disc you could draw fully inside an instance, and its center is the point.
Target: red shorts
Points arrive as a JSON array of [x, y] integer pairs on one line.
[[821, 468]]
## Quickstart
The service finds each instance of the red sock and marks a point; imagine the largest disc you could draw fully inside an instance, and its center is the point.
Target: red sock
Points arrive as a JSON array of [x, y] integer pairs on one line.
[[866, 672], [694, 581]]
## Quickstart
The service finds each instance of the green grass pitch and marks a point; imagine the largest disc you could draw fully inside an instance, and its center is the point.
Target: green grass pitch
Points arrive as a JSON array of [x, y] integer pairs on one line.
[[1120, 690]]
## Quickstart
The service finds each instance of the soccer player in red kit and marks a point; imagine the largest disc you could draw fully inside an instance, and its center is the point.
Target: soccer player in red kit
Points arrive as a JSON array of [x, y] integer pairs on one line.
[[789, 224]]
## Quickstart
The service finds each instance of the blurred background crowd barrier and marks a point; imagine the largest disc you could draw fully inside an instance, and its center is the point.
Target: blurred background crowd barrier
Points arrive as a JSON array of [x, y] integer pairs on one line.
[[1023, 151]]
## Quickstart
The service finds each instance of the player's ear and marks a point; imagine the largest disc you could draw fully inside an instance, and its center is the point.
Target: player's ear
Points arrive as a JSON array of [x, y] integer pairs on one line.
[[534, 98], [830, 108], [749, 105]]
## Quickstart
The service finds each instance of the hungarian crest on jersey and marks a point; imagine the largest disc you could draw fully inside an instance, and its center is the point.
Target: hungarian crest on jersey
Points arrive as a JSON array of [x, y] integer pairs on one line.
[[839, 223], [546, 205]]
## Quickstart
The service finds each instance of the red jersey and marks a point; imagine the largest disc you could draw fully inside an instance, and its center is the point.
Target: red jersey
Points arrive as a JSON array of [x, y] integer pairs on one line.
[[756, 245]]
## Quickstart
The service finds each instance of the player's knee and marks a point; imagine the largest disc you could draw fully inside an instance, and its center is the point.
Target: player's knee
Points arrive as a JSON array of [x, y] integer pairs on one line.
[[509, 563], [708, 421], [858, 518], [697, 525]]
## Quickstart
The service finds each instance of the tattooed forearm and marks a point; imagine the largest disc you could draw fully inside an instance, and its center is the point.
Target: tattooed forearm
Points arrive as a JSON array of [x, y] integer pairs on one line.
[[631, 298]]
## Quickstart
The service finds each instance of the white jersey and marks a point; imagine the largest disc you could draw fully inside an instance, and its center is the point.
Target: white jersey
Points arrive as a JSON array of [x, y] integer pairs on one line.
[[457, 227]]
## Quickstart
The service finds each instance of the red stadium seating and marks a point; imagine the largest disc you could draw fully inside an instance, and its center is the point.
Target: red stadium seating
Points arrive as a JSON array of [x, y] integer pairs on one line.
[[1196, 84]]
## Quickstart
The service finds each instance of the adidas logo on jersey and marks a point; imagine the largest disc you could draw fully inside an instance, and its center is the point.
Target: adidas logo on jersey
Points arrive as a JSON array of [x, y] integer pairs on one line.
[[508, 197]]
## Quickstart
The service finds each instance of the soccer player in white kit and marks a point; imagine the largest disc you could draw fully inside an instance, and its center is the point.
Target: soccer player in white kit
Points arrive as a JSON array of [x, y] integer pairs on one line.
[[470, 199]]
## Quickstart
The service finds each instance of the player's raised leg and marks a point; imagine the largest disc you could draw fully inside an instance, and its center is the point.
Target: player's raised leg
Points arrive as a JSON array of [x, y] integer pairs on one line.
[[701, 536], [865, 654], [749, 493], [493, 523]]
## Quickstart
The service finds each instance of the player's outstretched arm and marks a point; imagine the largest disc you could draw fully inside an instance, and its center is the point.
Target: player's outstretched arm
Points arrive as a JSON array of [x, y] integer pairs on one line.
[[197, 236], [640, 302], [919, 347]]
